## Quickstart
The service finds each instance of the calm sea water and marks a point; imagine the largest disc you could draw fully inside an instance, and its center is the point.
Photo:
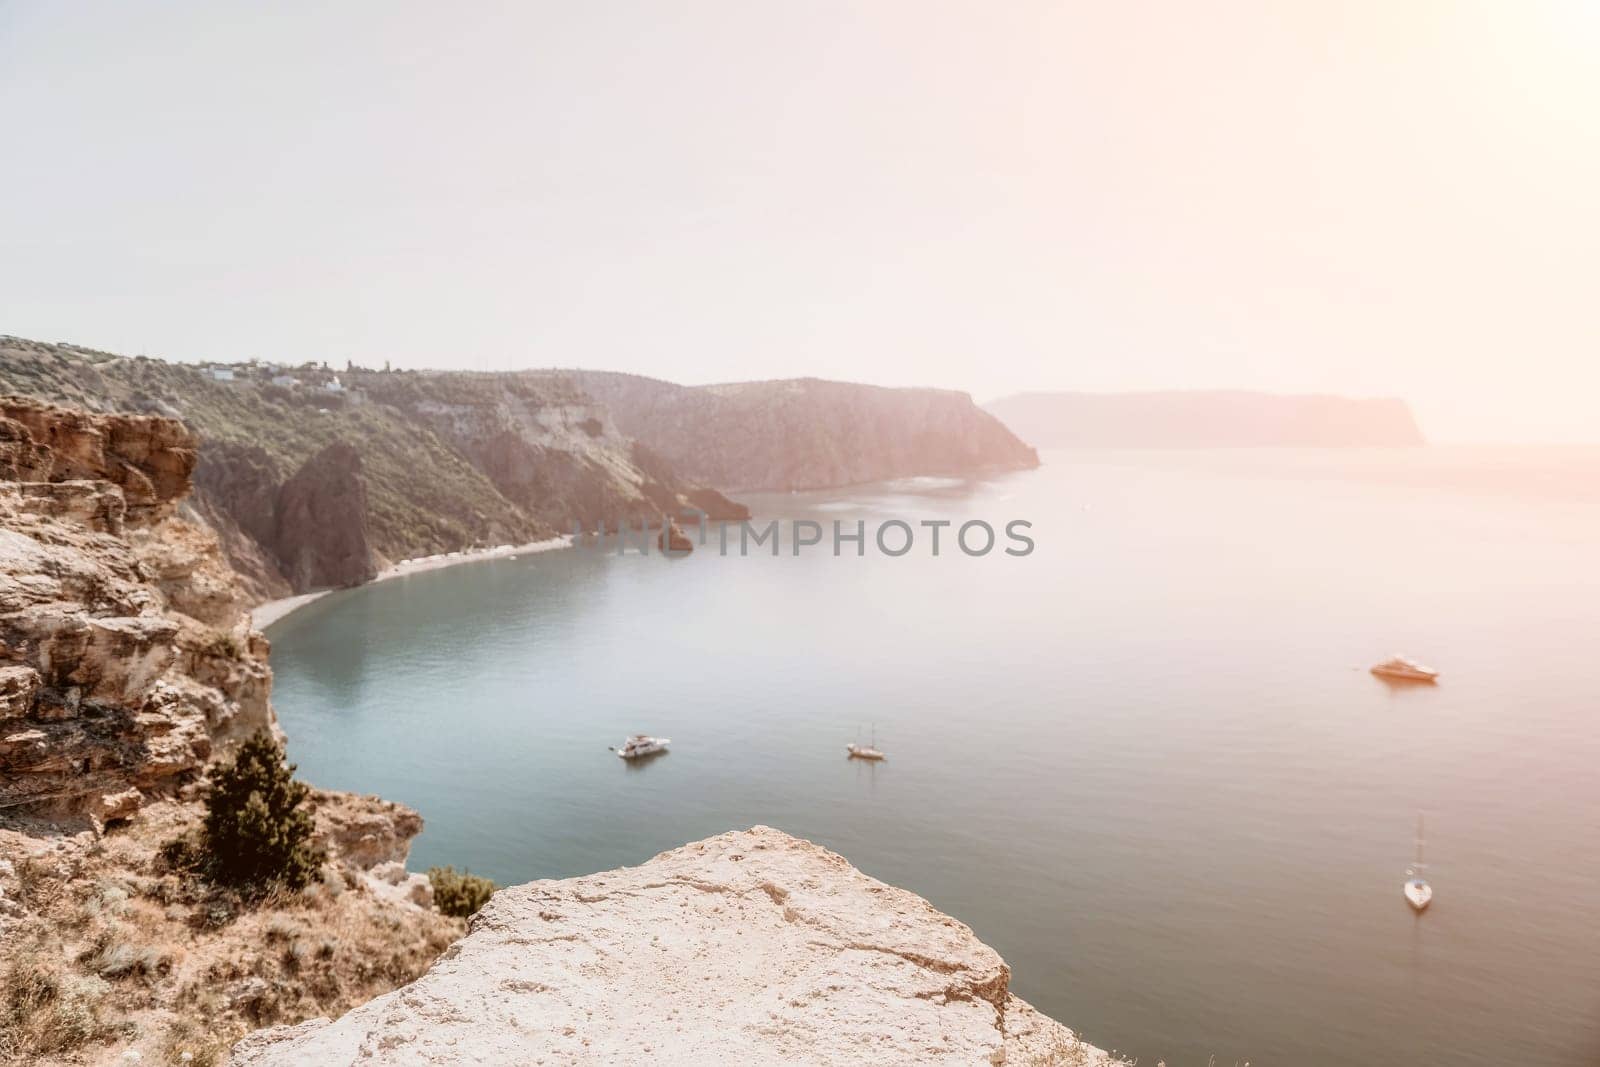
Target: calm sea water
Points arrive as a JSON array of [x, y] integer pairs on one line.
[[1146, 763]]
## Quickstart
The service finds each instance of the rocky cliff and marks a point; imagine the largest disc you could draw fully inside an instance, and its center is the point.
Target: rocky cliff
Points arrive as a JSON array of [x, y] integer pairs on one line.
[[127, 663], [320, 531], [805, 433], [1203, 419], [751, 947], [125, 655], [545, 444]]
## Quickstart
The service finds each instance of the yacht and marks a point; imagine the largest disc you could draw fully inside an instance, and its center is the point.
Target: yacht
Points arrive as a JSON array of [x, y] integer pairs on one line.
[[1406, 670], [642, 745], [1419, 894]]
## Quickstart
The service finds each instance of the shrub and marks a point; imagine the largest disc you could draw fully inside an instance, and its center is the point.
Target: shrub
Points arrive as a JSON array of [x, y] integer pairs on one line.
[[459, 894], [222, 645], [181, 853], [257, 830]]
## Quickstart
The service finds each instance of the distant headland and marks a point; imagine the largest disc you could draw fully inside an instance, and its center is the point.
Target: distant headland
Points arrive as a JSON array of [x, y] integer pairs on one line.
[[1205, 419]]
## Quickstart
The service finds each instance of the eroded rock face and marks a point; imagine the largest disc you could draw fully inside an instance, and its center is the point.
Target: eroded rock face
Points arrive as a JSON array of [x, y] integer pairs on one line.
[[126, 657], [364, 831], [752, 947], [672, 539], [236, 494], [547, 447], [321, 536], [148, 458]]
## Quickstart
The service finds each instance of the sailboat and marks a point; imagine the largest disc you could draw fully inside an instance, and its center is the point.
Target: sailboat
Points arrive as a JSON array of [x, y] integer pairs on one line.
[[1419, 894], [867, 752]]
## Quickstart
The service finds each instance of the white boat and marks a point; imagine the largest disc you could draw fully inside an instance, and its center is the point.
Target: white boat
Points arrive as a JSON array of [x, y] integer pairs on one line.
[[1419, 894], [1406, 670], [642, 745], [866, 752]]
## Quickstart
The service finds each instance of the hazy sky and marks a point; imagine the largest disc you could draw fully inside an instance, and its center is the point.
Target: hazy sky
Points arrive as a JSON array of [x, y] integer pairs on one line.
[[1377, 198]]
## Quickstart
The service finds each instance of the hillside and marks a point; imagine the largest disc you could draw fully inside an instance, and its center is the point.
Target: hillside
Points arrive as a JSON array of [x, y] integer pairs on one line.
[[805, 433], [312, 478], [1204, 419]]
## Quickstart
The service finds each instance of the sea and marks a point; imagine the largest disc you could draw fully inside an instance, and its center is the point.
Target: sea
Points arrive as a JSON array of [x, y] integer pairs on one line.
[[1145, 761]]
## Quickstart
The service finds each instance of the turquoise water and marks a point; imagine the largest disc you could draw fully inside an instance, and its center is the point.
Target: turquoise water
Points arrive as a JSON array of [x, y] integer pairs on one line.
[[1146, 763]]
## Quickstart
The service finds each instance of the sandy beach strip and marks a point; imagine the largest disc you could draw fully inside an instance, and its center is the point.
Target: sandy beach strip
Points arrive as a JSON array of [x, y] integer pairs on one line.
[[264, 615]]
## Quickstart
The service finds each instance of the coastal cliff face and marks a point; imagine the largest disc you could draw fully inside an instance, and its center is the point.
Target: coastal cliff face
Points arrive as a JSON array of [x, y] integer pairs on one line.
[[545, 444], [126, 658], [752, 947], [321, 535], [402, 464], [805, 433], [1206, 419], [309, 478]]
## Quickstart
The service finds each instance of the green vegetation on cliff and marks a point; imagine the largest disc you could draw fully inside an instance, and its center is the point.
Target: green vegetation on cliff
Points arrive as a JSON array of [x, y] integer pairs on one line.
[[258, 827], [459, 893]]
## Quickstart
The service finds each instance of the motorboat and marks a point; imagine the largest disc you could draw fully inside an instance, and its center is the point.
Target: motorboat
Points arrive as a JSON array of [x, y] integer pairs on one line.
[[1405, 670], [642, 745]]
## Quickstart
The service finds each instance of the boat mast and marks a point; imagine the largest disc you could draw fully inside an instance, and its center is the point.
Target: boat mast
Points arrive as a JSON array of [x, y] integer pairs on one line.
[[1419, 864]]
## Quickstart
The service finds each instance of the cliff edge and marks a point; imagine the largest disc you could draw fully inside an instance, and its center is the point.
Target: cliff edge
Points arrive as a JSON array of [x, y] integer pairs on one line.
[[749, 947]]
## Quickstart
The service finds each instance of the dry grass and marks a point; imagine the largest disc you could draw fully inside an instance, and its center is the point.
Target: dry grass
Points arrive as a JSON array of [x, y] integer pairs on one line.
[[113, 951], [44, 1008], [1065, 1050], [205, 1049]]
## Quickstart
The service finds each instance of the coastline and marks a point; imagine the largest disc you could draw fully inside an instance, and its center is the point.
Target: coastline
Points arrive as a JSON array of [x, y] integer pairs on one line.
[[273, 611]]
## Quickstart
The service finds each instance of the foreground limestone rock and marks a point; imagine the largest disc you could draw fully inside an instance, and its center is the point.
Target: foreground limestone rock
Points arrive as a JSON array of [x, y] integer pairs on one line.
[[752, 947]]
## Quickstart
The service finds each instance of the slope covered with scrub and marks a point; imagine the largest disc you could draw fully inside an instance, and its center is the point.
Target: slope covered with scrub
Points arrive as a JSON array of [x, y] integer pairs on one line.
[[447, 461]]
